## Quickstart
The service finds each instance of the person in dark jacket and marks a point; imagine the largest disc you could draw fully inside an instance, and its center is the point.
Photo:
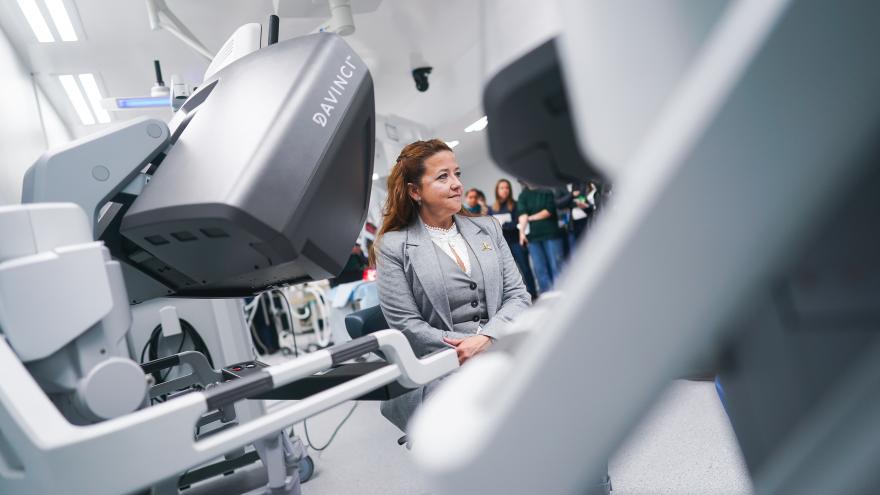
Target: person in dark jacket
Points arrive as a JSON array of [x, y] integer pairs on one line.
[[504, 210]]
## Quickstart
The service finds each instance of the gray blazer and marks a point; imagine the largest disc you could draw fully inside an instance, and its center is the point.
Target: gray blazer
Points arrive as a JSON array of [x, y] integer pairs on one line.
[[412, 292]]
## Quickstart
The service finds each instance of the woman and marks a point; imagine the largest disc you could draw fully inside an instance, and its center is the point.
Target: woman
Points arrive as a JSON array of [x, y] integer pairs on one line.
[[446, 279], [504, 210]]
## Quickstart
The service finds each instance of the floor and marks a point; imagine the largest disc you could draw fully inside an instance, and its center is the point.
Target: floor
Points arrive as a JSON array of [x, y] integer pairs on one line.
[[684, 445]]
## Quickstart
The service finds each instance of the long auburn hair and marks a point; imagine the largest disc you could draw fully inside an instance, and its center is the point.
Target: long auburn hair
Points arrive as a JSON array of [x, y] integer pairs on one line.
[[510, 203], [400, 209]]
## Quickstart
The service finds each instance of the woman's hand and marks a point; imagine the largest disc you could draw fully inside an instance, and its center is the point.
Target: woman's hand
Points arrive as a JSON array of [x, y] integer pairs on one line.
[[523, 240], [469, 347]]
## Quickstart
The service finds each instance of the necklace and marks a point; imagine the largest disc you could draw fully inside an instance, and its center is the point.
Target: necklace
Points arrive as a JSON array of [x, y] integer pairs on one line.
[[441, 230]]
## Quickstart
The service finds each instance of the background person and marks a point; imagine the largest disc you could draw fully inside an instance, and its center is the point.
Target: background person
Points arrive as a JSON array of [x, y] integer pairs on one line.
[[563, 198], [446, 278], [504, 210], [537, 209], [475, 202], [583, 206]]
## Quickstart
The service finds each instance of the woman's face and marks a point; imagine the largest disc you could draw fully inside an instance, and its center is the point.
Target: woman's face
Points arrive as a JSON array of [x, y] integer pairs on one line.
[[503, 191], [440, 190]]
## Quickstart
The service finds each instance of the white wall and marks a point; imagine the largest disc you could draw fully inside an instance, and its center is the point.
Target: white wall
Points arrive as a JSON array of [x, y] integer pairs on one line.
[[22, 138], [55, 129]]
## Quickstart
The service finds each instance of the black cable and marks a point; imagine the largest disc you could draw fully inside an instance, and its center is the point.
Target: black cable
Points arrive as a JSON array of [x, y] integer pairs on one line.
[[319, 449], [151, 344], [144, 350], [199, 343]]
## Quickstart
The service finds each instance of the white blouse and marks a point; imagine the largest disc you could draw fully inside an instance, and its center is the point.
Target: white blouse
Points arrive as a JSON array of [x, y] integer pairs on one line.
[[448, 240]]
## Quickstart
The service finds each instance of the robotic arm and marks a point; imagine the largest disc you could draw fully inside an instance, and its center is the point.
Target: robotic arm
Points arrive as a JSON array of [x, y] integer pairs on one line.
[[684, 263]]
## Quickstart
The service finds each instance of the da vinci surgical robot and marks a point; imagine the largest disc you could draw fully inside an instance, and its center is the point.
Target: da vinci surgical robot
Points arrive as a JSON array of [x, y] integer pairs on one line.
[[232, 197], [742, 139]]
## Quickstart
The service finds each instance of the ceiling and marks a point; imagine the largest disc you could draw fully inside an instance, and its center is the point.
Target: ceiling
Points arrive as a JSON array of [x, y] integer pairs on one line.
[[119, 47]]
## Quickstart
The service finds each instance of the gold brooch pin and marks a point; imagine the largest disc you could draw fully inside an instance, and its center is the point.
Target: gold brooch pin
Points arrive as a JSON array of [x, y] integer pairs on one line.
[[486, 247]]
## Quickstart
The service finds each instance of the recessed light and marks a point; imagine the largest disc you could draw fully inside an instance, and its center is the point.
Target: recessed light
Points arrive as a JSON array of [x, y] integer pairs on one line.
[[479, 125], [452, 144], [90, 86], [61, 20], [36, 20], [76, 98]]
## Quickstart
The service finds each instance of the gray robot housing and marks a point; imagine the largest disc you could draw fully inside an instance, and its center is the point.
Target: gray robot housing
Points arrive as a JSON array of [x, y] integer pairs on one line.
[[268, 178]]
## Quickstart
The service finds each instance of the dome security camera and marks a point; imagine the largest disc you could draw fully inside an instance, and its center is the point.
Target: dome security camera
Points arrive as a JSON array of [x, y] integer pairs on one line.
[[420, 76]]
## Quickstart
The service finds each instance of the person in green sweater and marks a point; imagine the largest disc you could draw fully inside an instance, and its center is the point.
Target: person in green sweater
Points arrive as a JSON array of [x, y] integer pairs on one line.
[[537, 209]]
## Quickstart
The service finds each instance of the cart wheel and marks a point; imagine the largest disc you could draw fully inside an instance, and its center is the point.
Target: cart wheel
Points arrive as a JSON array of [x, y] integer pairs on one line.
[[306, 468]]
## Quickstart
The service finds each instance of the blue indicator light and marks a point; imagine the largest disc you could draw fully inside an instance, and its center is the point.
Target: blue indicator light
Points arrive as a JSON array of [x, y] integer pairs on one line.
[[145, 102]]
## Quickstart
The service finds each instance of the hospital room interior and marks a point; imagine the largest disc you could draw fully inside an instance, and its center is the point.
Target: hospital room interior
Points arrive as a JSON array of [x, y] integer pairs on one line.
[[284, 247]]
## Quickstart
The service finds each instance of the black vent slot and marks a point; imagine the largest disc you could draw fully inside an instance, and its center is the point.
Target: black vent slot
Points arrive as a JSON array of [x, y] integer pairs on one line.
[[156, 240], [214, 233], [183, 236]]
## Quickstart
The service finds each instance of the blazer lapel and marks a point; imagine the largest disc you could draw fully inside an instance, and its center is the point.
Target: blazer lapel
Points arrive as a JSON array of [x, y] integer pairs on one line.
[[420, 249], [481, 244]]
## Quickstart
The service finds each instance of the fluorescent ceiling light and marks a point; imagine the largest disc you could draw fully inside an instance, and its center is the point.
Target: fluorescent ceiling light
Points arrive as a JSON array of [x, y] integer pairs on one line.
[[90, 86], [453, 143], [479, 125], [36, 20], [144, 102], [76, 99], [61, 20]]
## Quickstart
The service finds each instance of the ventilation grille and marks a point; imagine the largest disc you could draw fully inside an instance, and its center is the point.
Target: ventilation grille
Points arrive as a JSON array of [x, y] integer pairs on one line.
[[186, 236]]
